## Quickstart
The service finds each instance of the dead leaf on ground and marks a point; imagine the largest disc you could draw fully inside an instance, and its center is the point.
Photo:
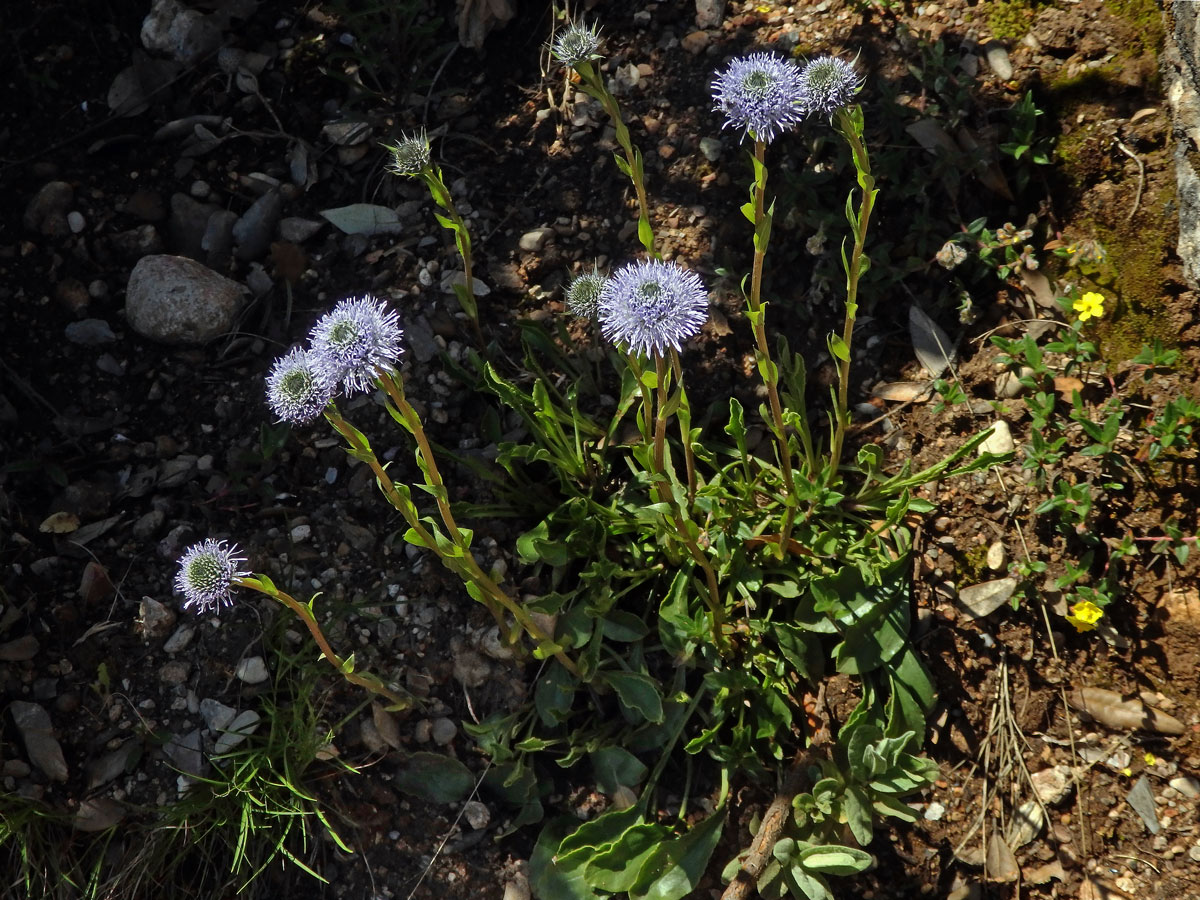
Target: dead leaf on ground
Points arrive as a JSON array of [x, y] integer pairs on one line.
[[904, 391], [1111, 709], [59, 523], [386, 725], [1000, 864], [1039, 286], [1066, 385], [98, 814]]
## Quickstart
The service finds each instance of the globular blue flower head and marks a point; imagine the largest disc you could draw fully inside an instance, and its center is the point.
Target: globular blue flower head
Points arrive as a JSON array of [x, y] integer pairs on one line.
[[298, 389], [576, 43], [410, 155], [583, 294], [761, 94], [829, 84], [356, 342], [650, 306], [206, 574]]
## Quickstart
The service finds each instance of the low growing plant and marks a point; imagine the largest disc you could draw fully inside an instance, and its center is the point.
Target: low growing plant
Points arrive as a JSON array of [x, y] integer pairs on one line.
[[697, 591]]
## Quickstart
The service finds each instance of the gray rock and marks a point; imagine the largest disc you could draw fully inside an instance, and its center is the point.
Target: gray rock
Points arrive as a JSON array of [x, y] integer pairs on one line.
[[37, 733], [217, 242], [90, 333], [175, 672], [135, 243], [359, 537], [148, 523], [180, 639], [184, 33], [187, 224], [443, 731], [1181, 76], [996, 55], [243, 725], [111, 764], [298, 230], [175, 300], [709, 13], [252, 670], [999, 441], [712, 148], [256, 227], [419, 335], [217, 715], [110, 365], [47, 211], [184, 752], [19, 649], [534, 241], [76, 222], [1188, 785]]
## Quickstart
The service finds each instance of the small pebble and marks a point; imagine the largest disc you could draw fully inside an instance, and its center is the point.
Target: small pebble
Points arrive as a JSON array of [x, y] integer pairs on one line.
[[444, 731], [301, 533], [76, 221], [252, 670]]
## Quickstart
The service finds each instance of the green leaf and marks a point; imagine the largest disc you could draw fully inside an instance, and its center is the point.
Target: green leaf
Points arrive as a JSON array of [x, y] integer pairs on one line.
[[856, 806], [831, 859], [748, 211], [434, 777], [553, 694], [674, 870], [589, 838], [912, 695], [616, 867], [637, 692], [549, 881], [645, 234], [616, 767], [838, 347], [623, 626]]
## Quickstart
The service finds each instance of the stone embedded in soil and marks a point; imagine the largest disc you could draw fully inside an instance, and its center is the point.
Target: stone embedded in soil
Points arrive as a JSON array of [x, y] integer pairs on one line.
[[477, 814], [996, 55], [243, 725], [256, 227], [995, 556], [19, 649], [154, 619], [176, 300], [90, 333], [175, 672], [98, 814], [112, 764], [444, 731], [37, 733], [999, 441], [980, 600], [1052, 785], [1187, 785], [184, 752], [216, 714], [188, 222], [180, 639], [535, 241], [46, 213], [252, 670]]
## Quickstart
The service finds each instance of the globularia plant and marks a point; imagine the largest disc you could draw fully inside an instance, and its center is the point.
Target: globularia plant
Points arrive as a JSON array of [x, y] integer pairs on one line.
[[695, 591]]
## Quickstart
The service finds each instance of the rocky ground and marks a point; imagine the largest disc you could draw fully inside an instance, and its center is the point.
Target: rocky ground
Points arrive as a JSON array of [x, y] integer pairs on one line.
[[234, 167]]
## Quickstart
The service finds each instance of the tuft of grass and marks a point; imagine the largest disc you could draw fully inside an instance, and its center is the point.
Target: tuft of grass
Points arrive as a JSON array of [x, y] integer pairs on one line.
[[255, 813]]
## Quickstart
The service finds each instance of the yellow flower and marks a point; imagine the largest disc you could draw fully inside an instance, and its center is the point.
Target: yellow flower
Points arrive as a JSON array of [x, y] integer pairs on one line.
[[1089, 306], [1084, 615]]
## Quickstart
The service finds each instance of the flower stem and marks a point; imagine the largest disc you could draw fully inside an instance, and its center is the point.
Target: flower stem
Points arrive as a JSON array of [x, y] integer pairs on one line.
[[848, 122], [453, 222], [685, 427], [593, 86], [766, 367], [370, 682], [455, 555]]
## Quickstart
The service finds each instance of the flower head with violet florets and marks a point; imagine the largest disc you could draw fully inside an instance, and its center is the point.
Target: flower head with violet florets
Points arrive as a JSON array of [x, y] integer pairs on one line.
[[298, 389], [828, 84], [650, 306], [410, 155], [583, 294], [356, 342], [760, 93], [577, 43], [206, 574]]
